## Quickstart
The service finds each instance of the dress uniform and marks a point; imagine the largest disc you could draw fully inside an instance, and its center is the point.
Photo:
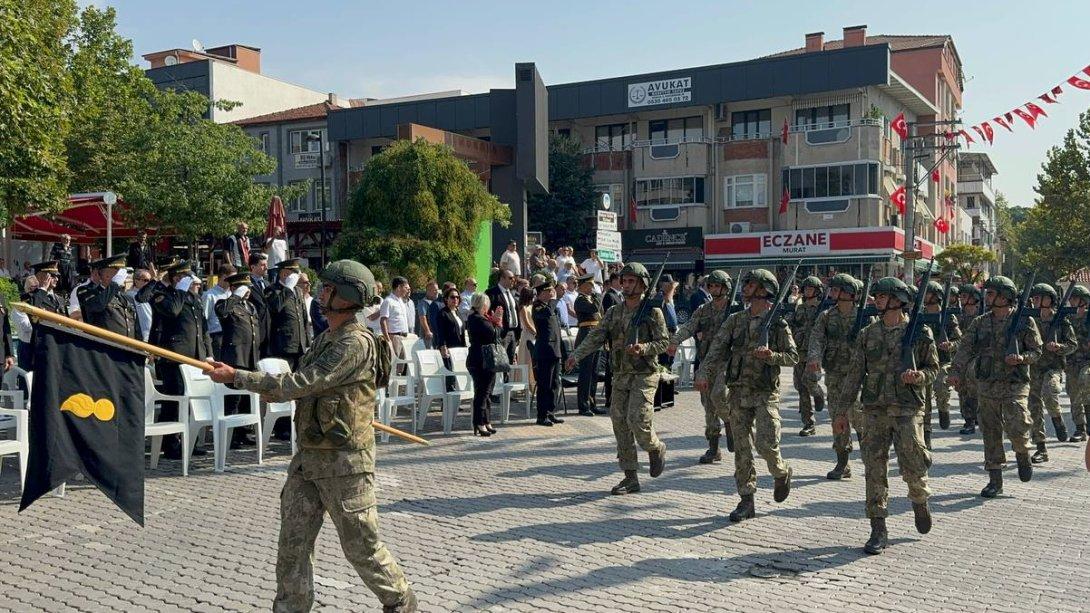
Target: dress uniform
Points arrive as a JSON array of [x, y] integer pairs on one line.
[[104, 304], [588, 312], [147, 293], [44, 297], [287, 314], [547, 352], [240, 315]]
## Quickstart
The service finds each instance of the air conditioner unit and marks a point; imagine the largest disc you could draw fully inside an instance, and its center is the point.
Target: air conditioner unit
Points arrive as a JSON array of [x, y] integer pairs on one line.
[[738, 227], [721, 111]]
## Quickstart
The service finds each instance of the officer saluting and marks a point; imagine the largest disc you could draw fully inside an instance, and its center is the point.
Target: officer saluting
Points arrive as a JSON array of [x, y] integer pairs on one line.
[[104, 304], [334, 471], [588, 312], [287, 314], [43, 297], [240, 314]]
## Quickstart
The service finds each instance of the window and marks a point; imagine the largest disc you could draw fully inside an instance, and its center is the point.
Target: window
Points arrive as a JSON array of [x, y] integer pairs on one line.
[[616, 196], [835, 181], [832, 116], [751, 124], [377, 149], [298, 205], [612, 137], [564, 132], [745, 191], [316, 196], [263, 142], [671, 191], [300, 142], [681, 130], [970, 202]]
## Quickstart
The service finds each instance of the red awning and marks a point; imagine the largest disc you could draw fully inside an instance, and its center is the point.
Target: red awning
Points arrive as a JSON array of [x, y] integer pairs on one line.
[[84, 219], [34, 228]]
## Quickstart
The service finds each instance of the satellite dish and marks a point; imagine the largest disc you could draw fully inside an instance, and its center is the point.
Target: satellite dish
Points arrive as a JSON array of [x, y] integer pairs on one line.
[[197, 46], [170, 60]]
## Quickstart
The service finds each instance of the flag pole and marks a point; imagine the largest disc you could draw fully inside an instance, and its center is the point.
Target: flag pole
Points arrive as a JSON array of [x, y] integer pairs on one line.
[[159, 352]]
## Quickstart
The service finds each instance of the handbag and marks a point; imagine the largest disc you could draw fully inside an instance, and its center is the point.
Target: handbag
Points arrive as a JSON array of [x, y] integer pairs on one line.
[[494, 358]]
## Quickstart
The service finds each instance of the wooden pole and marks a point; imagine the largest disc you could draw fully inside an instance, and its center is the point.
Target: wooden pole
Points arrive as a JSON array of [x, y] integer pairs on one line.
[[158, 352]]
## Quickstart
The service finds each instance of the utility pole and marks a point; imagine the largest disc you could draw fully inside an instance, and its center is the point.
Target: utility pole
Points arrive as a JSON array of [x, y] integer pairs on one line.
[[912, 148]]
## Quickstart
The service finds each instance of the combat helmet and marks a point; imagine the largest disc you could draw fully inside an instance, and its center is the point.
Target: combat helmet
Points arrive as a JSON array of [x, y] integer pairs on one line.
[[718, 276], [811, 281], [893, 287], [971, 290], [1002, 285], [1044, 289], [1080, 291], [765, 279], [351, 281], [845, 282], [635, 269], [936, 288]]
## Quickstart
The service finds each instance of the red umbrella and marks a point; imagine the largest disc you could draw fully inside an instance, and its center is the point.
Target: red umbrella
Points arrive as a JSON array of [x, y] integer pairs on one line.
[[277, 220]]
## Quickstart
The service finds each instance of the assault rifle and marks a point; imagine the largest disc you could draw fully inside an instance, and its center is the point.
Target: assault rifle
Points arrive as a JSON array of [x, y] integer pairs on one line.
[[736, 303], [940, 319], [633, 336], [908, 341], [1062, 311], [863, 312], [776, 308], [1019, 315]]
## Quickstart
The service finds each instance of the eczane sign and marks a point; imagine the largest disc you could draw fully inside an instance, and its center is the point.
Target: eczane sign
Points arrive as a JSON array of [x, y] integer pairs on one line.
[[795, 243]]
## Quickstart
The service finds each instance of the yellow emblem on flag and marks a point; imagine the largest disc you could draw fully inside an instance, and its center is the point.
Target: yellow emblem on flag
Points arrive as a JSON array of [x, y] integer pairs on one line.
[[83, 406]]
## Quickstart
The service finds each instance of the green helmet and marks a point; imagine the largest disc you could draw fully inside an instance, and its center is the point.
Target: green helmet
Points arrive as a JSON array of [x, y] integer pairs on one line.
[[1080, 291], [811, 281], [718, 276], [859, 287], [765, 279], [1044, 289], [935, 287], [351, 281], [893, 287], [636, 269], [845, 282], [970, 290], [1002, 285]]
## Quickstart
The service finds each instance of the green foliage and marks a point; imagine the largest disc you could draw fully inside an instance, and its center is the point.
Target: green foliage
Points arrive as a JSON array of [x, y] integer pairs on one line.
[[416, 213], [561, 215], [35, 98], [967, 261], [9, 290]]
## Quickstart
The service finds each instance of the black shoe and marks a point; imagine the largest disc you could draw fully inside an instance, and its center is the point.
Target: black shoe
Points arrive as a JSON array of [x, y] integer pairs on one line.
[[995, 484], [1079, 435], [1025, 467], [629, 485], [235, 445], [782, 487], [969, 428], [841, 470], [481, 431], [282, 436], [712, 454], [490, 429], [879, 538], [657, 460], [586, 412], [923, 517], [545, 422], [598, 411], [944, 419], [1061, 429], [819, 403], [554, 419], [744, 510], [407, 605], [807, 431], [927, 439], [1041, 455], [728, 436]]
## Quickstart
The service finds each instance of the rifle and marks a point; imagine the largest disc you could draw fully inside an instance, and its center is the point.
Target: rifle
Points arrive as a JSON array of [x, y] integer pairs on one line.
[[776, 307], [736, 303], [908, 356], [1062, 311], [1018, 315], [862, 310], [633, 336], [944, 315]]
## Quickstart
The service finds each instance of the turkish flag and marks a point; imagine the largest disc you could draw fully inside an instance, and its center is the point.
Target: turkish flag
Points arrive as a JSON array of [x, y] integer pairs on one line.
[[942, 225], [898, 199], [1080, 82], [988, 134], [632, 210], [1026, 117], [1047, 98], [968, 139], [1002, 122], [935, 175], [1036, 110], [950, 210], [784, 199], [783, 133], [899, 125]]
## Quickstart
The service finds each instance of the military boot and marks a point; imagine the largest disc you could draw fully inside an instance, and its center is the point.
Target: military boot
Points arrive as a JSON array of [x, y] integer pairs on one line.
[[927, 439], [819, 403], [1079, 435], [923, 517], [712, 454], [1041, 455], [629, 485], [944, 419], [969, 428], [1025, 468], [657, 460], [729, 436], [995, 483], [782, 487], [841, 470], [1061, 429], [744, 510], [879, 538], [807, 430], [407, 604]]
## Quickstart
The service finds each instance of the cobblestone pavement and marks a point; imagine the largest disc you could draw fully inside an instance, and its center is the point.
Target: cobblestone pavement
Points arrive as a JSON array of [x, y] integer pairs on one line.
[[523, 522]]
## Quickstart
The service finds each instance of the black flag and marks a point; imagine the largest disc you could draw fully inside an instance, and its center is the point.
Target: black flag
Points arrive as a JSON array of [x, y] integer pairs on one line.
[[86, 416]]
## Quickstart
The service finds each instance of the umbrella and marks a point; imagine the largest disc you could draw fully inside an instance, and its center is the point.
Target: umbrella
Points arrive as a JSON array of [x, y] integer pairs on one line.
[[277, 219]]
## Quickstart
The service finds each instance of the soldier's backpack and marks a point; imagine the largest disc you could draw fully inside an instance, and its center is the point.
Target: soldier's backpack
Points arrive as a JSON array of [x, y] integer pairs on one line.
[[384, 352]]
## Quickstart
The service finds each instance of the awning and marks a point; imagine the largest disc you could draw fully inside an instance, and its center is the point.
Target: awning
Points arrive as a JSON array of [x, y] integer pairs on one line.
[[830, 260], [85, 220], [680, 259], [34, 228]]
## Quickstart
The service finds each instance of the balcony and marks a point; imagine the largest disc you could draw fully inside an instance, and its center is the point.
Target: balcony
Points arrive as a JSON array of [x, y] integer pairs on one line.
[[858, 139], [977, 188]]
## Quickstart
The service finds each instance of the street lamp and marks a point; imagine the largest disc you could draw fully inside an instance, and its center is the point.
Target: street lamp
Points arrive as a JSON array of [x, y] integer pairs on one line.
[[321, 173]]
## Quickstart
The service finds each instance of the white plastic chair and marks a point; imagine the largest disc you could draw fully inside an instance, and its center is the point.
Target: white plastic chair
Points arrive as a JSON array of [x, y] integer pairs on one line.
[[276, 410], [390, 400], [20, 445], [412, 345], [683, 362], [158, 429], [19, 379], [463, 387], [519, 383], [198, 391], [222, 424], [432, 383]]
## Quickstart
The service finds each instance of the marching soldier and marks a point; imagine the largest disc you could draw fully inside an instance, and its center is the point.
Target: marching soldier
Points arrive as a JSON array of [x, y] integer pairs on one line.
[[970, 298], [333, 473], [702, 326], [1078, 363], [104, 304], [1045, 373], [240, 314], [831, 348], [806, 381], [938, 396], [635, 376], [752, 376], [588, 312], [1002, 380], [893, 408]]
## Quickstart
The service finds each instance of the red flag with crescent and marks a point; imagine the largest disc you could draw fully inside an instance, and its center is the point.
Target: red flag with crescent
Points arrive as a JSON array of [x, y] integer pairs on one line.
[[784, 199], [899, 125], [898, 199], [1026, 117]]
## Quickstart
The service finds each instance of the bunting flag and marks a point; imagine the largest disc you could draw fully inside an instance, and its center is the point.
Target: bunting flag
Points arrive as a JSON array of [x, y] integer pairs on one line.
[[968, 139], [988, 133], [1035, 110], [1010, 119], [1003, 122], [784, 199], [942, 225], [899, 125], [1026, 117], [898, 199], [783, 133], [980, 132], [1080, 82]]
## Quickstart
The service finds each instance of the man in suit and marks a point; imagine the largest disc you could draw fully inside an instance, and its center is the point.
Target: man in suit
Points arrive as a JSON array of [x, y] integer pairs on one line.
[[700, 297], [66, 265], [547, 354], [105, 304], [287, 316], [502, 294], [240, 317], [141, 254], [588, 312]]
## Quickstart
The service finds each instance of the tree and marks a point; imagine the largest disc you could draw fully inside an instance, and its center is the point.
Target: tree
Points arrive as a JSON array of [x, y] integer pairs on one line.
[[965, 260], [561, 215], [416, 212], [35, 90]]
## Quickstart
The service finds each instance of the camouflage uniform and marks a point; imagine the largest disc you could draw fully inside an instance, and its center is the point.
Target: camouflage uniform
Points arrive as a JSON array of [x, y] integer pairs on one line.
[[1078, 371], [754, 391], [807, 384], [966, 387], [831, 347], [1045, 374], [892, 411], [938, 395], [702, 326]]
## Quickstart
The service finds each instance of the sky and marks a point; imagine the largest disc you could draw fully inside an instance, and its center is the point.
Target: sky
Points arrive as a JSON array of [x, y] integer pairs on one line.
[[1011, 51]]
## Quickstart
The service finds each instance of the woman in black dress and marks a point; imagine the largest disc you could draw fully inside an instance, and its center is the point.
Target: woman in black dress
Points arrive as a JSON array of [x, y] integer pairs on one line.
[[449, 330], [484, 329]]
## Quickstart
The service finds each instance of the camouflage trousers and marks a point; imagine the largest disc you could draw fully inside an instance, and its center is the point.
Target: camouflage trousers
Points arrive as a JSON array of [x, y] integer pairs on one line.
[[716, 411], [1008, 413], [905, 433], [807, 384], [838, 383], [1078, 391], [350, 502], [632, 411], [937, 396], [755, 422], [1044, 395], [967, 400]]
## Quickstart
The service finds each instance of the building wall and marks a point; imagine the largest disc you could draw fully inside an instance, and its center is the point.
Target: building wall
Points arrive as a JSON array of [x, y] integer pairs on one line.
[[289, 171], [257, 93]]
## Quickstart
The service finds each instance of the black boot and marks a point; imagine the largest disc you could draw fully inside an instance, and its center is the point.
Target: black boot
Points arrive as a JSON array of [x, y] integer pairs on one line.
[[970, 427], [657, 460], [879, 538], [819, 403], [729, 437], [927, 439], [782, 487], [629, 485], [807, 430], [712, 454], [1079, 435], [407, 605], [923, 517], [995, 483], [1061, 429], [1025, 468], [744, 510], [841, 470], [944, 419], [1041, 455]]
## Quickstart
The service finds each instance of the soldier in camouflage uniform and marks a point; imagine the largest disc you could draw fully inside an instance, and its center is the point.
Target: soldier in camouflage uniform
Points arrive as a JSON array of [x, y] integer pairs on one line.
[[702, 326], [969, 296], [1044, 386], [893, 408], [635, 376], [752, 375], [831, 347], [807, 382], [1002, 379], [334, 471], [938, 395], [1078, 363]]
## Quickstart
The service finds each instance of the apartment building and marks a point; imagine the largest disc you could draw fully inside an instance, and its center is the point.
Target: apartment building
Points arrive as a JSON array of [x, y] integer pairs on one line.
[[976, 197]]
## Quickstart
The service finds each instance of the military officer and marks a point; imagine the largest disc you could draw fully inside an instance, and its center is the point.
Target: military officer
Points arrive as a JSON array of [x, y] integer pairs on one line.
[[1045, 374], [1079, 362], [333, 473], [831, 348], [7, 356], [635, 375], [702, 325], [969, 296], [547, 351], [104, 304], [752, 376], [240, 315], [287, 314], [1002, 379], [806, 381], [893, 408], [588, 312], [938, 396], [146, 294], [45, 297]]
